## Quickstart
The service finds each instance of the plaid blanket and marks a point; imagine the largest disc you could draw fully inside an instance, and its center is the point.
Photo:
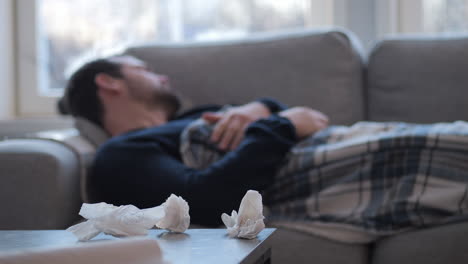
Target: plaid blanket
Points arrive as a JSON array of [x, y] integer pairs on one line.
[[358, 183]]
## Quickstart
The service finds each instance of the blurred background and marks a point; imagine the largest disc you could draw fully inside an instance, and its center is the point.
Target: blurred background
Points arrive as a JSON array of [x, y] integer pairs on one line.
[[42, 41]]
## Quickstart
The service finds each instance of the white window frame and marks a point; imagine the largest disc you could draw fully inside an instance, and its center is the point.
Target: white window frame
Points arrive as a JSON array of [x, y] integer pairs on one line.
[[411, 16], [32, 101], [7, 75], [398, 17]]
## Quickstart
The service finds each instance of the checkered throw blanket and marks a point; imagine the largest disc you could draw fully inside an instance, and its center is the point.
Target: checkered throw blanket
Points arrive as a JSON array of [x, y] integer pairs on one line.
[[358, 183]]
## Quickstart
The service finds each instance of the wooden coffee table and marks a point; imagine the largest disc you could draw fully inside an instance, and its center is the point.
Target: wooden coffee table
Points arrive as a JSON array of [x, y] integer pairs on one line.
[[193, 246]]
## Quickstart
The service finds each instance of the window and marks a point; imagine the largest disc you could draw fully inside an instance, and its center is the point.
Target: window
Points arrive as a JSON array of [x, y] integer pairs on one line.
[[71, 31], [445, 16], [67, 33], [55, 35], [423, 16]]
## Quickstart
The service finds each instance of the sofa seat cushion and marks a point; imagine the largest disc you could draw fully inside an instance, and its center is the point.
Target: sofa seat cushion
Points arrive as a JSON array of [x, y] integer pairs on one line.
[[442, 244], [296, 247]]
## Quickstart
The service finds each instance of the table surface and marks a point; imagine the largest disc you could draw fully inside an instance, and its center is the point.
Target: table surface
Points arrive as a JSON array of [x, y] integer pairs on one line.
[[193, 246]]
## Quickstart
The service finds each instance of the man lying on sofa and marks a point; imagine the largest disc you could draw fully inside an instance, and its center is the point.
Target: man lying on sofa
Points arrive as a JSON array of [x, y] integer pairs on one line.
[[353, 184], [141, 163]]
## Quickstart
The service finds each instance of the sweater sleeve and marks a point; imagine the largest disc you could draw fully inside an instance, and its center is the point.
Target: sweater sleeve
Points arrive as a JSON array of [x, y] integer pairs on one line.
[[273, 105], [141, 173]]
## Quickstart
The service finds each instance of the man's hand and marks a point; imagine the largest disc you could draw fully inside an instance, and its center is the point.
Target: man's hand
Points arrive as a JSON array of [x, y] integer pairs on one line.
[[231, 125], [306, 120]]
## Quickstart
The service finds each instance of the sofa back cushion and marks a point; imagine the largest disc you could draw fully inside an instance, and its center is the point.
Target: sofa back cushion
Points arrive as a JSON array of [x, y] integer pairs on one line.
[[320, 69], [417, 79]]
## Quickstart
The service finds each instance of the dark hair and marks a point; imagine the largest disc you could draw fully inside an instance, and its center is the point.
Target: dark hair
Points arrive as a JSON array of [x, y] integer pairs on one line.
[[80, 97]]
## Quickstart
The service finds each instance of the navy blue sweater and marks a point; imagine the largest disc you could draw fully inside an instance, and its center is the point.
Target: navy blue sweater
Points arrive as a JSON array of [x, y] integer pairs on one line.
[[144, 167]]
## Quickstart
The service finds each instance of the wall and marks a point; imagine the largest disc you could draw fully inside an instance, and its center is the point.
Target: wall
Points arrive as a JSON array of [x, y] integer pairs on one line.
[[362, 21], [7, 77]]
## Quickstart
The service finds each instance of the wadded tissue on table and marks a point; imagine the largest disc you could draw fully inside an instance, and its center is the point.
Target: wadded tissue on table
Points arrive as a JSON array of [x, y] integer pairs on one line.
[[128, 220], [249, 222]]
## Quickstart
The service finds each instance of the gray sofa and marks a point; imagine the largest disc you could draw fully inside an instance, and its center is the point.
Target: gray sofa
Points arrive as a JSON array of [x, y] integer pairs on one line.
[[412, 79]]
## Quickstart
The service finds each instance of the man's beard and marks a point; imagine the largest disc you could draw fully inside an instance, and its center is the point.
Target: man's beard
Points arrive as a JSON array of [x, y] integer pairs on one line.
[[166, 100]]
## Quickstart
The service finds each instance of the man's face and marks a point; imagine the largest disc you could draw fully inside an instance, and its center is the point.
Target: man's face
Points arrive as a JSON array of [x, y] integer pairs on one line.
[[147, 87]]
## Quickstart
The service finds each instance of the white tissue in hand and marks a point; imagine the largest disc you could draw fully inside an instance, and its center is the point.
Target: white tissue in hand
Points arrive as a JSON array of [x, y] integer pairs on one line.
[[128, 220], [249, 222]]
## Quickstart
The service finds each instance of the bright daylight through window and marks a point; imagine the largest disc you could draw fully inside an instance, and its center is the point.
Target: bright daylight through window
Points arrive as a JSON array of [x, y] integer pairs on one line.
[[445, 16], [73, 31]]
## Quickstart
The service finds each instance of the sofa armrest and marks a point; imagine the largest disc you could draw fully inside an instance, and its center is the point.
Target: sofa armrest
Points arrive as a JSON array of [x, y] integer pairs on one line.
[[40, 184], [43, 179]]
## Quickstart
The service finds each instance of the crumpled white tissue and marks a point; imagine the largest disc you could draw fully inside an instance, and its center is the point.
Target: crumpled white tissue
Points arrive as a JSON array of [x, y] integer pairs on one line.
[[128, 220], [249, 222]]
